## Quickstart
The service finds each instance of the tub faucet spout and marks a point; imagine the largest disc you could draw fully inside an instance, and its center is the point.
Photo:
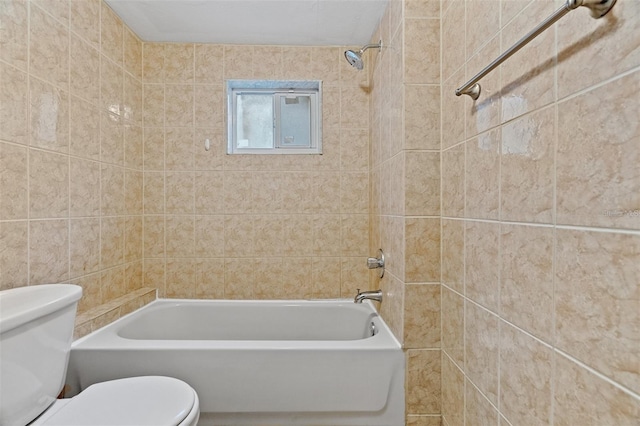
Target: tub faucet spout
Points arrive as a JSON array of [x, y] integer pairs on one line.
[[371, 295]]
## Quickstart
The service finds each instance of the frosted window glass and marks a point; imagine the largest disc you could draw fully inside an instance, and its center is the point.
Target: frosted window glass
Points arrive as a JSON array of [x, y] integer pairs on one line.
[[295, 121], [255, 121]]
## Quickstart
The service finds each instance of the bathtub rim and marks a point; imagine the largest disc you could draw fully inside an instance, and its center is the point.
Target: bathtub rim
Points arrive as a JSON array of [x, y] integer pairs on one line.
[[107, 337]]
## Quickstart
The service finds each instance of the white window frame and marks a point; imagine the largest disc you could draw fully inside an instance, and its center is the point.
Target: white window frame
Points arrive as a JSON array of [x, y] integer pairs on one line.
[[278, 89]]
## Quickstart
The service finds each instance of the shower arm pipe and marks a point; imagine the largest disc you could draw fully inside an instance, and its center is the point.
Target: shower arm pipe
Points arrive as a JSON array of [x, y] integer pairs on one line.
[[599, 8], [371, 46]]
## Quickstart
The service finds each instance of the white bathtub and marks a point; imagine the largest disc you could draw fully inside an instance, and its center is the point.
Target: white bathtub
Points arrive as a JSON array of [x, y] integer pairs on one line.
[[258, 362]]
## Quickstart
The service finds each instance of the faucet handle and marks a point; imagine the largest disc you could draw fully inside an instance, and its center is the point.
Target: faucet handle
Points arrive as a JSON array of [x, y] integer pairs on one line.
[[374, 263]]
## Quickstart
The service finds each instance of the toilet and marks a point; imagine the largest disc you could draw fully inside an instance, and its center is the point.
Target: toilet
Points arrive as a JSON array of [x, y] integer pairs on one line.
[[36, 331]]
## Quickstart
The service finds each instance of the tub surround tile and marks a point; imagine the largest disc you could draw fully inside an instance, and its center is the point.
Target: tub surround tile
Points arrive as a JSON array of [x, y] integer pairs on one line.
[[452, 262], [14, 253], [452, 393], [575, 402], [179, 63], [48, 185], [97, 316], [453, 326], [478, 410], [607, 46], [525, 378], [14, 169], [423, 381], [208, 58], [14, 105], [48, 251], [607, 153], [598, 324], [84, 250], [527, 168], [422, 250], [422, 316], [15, 36], [453, 181], [482, 176], [482, 349], [49, 110], [528, 84], [111, 34], [482, 257], [181, 278], [526, 278], [48, 48], [483, 113]]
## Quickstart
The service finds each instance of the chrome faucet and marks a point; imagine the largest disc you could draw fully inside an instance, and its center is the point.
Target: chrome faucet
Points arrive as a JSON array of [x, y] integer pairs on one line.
[[371, 295], [377, 262]]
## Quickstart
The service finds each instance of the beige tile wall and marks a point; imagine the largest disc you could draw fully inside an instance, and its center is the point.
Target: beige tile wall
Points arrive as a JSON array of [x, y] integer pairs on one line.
[[251, 226], [405, 199], [541, 219], [71, 152]]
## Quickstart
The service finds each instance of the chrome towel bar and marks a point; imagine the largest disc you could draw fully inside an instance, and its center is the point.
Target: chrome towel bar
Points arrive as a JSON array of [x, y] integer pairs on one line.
[[599, 8]]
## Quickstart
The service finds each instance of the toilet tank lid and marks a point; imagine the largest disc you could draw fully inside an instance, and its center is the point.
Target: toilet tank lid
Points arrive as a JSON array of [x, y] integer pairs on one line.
[[140, 401], [21, 305]]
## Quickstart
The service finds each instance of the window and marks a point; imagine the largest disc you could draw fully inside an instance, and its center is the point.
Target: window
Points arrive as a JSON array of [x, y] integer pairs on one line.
[[274, 117]]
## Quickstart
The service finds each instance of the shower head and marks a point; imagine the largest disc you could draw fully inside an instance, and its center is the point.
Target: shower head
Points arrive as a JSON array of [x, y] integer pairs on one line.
[[355, 58]]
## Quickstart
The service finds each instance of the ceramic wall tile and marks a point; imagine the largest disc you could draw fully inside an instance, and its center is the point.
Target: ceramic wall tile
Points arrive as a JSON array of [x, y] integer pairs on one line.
[[84, 129], [49, 123], [453, 326], [423, 382], [14, 201], [48, 185], [422, 316], [478, 411], [179, 63], [14, 105], [84, 70], [422, 117], [482, 260], [526, 166], [422, 50], [452, 393], [525, 377], [422, 183], [208, 63], [528, 83], [608, 153], [84, 188], [581, 396], [526, 288], [15, 33], [597, 324], [482, 349], [84, 247], [607, 47], [48, 48], [14, 254], [48, 251], [482, 176], [421, 250], [111, 35]]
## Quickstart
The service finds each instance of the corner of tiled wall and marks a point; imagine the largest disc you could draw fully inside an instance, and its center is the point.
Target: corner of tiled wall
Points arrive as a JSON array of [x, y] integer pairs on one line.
[[405, 174]]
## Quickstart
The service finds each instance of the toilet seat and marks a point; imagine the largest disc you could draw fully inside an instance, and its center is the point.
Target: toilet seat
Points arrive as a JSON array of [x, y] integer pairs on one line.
[[135, 401]]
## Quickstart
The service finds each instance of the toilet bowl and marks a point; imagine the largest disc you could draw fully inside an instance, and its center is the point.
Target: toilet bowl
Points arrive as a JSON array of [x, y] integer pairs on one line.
[[36, 331]]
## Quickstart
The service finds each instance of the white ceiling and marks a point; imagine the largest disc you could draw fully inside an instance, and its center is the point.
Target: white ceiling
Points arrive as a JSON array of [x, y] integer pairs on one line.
[[273, 22]]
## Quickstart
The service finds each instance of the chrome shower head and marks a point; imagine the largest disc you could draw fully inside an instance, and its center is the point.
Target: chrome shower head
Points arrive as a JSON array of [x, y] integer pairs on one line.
[[355, 58]]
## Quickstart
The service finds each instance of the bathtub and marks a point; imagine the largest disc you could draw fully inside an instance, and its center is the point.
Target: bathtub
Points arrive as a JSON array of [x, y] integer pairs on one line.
[[257, 362]]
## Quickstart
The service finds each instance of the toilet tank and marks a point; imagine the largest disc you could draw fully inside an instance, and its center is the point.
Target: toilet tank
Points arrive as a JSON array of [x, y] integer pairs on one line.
[[36, 331]]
